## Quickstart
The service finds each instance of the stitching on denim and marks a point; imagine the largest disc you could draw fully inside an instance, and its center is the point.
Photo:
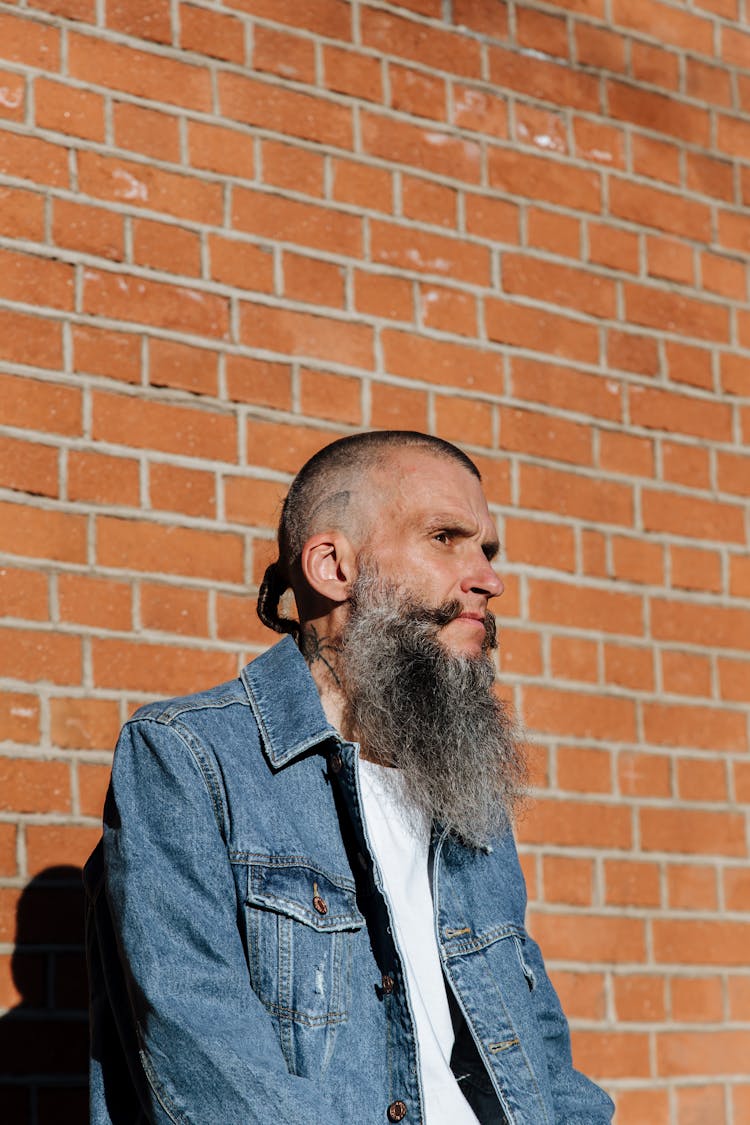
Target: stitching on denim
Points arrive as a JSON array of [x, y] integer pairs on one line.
[[161, 1096], [503, 1045]]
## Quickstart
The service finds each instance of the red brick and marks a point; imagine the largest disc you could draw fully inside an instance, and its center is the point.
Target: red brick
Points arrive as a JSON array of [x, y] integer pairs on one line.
[[629, 666], [733, 136], [520, 652], [236, 621], [241, 264], [538, 177], [542, 80], [255, 502], [22, 214], [723, 275], [559, 285], [304, 334], [156, 548], [353, 73], [143, 185], [584, 607], [539, 543], [739, 576], [142, 73], [13, 100], [623, 453], [174, 489], [572, 658], [440, 362], [383, 296], [148, 131], [594, 553], [693, 569], [694, 1052], [734, 681], [183, 366], [698, 780], [55, 845], [427, 202], [259, 382], [582, 994], [733, 473], [547, 230], [295, 114], [639, 997], [102, 352], [397, 408], [212, 33], [567, 880], [101, 479], [144, 424], [314, 281], [284, 447], [644, 775], [154, 669], [424, 251], [143, 19], [671, 259], [707, 728], [136, 299], [166, 247], [687, 364], [463, 419], [648, 110], [638, 560], [726, 627], [80, 723], [570, 494], [421, 147], [667, 211], [29, 42], [37, 655], [584, 769], [692, 832], [293, 168], [172, 609], [599, 47], [229, 152], [598, 143], [278, 52], [631, 883], [19, 717], [302, 223], [336, 397], [68, 109], [610, 246], [566, 389], [29, 467], [8, 866], [448, 310], [422, 43], [710, 176], [578, 715], [89, 600], [34, 787], [675, 513], [697, 999], [486, 16], [645, 1105], [91, 230], [510, 323], [35, 280], [29, 158], [362, 185], [685, 673], [329, 18], [541, 128], [691, 886], [479, 111], [23, 593], [416, 93], [539, 31], [686, 464], [605, 940], [43, 533], [93, 782], [495, 220]]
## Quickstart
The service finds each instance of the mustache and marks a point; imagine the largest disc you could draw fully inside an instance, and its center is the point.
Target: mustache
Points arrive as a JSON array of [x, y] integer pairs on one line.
[[442, 615]]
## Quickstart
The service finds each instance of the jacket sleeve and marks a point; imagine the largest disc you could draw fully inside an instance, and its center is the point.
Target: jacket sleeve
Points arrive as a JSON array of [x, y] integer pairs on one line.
[[202, 1047], [577, 1100]]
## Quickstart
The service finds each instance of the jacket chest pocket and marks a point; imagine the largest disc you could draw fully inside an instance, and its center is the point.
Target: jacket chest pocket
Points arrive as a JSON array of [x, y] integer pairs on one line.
[[300, 931]]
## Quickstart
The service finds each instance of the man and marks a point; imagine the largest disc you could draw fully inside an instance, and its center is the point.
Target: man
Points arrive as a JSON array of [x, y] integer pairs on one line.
[[307, 905]]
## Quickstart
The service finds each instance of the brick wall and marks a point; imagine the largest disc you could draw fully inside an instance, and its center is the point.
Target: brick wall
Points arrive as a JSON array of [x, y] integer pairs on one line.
[[230, 232]]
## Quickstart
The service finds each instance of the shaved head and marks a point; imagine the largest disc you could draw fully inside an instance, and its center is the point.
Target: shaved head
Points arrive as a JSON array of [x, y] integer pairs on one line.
[[333, 490]]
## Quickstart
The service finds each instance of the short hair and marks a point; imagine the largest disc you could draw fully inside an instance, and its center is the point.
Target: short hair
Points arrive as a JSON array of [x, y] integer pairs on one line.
[[323, 485]]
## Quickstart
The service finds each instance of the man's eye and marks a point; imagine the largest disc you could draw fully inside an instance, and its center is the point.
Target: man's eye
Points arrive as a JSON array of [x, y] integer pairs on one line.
[[442, 536]]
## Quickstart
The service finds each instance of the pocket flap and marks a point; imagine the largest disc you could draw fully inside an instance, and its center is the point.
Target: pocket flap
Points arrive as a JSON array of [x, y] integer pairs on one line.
[[304, 894]]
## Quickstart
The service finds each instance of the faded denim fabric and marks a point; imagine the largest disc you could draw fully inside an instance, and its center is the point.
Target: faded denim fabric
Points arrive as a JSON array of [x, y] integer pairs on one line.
[[241, 959]]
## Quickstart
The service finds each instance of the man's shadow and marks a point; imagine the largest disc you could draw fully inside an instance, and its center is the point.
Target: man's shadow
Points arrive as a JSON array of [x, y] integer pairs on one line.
[[44, 1038]]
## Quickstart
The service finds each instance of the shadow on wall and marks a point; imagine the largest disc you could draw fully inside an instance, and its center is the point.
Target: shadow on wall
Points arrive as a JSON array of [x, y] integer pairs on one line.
[[44, 1039]]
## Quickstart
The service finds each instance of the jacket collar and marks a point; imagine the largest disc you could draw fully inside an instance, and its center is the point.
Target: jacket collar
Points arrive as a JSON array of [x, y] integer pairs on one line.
[[286, 703]]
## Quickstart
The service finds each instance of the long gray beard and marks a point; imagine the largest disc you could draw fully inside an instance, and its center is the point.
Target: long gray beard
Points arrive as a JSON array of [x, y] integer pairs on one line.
[[433, 715]]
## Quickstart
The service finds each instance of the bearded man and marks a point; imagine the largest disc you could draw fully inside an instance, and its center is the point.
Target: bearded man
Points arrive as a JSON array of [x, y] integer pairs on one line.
[[307, 903]]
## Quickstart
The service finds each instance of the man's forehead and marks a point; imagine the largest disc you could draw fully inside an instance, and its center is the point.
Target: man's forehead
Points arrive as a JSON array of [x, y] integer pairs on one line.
[[419, 481]]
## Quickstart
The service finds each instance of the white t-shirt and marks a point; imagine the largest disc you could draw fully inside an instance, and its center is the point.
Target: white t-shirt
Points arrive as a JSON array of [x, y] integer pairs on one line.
[[400, 842]]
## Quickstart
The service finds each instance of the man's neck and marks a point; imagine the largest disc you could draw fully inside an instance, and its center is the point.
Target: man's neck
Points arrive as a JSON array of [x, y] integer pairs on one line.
[[321, 651]]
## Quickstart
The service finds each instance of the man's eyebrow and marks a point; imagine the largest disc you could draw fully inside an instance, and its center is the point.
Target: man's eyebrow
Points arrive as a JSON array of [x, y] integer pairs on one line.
[[455, 526]]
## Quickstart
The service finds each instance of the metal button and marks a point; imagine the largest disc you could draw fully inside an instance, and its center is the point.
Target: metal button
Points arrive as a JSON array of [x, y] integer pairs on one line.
[[387, 982], [397, 1111], [320, 904], [336, 762]]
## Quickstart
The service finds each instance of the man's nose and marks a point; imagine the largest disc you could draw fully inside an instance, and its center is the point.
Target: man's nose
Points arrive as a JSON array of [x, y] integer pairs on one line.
[[482, 578]]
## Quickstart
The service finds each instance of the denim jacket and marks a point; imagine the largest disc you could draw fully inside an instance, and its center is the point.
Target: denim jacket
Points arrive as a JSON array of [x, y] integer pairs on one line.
[[240, 948]]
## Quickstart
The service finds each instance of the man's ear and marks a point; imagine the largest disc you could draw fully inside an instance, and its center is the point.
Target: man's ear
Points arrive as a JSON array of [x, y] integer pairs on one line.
[[328, 563]]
